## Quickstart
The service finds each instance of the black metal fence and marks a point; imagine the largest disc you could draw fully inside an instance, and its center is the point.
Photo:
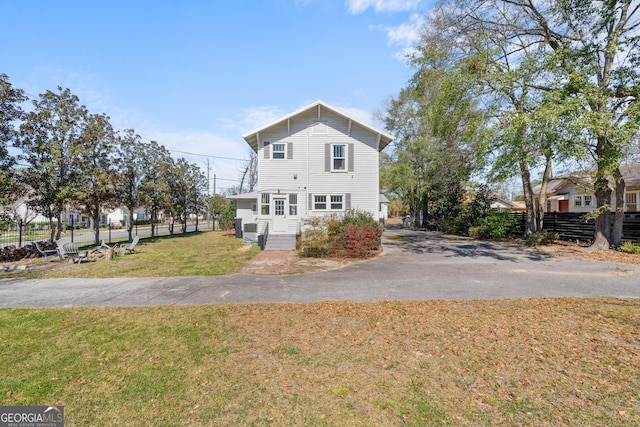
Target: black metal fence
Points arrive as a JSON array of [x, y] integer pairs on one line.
[[21, 234]]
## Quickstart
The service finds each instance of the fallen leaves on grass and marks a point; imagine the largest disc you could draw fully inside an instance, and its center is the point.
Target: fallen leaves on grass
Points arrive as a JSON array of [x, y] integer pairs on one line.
[[511, 362]]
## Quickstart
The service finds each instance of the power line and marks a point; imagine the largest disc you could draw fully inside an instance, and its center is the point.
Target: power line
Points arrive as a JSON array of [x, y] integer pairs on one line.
[[203, 155]]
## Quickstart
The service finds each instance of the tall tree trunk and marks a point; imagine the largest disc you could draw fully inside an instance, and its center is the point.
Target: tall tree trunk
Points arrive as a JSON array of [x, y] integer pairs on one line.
[[153, 223], [96, 225], [602, 237], [542, 198], [602, 191], [618, 219], [130, 222], [530, 217]]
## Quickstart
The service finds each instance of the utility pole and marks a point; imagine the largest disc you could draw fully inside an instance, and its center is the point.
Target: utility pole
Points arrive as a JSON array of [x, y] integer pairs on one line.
[[208, 194]]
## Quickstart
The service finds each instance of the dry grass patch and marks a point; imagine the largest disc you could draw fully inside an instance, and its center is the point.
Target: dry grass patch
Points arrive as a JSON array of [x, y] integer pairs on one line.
[[516, 362], [209, 253]]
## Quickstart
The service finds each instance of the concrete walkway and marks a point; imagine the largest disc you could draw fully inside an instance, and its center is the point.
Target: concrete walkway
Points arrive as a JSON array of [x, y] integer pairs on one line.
[[413, 266]]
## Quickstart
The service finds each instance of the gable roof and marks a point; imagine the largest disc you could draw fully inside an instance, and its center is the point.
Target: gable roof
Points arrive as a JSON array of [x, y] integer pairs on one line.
[[252, 137], [630, 173]]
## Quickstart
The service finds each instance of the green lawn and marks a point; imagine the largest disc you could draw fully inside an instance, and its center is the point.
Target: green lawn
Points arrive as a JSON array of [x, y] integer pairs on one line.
[[536, 362], [542, 362], [193, 254]]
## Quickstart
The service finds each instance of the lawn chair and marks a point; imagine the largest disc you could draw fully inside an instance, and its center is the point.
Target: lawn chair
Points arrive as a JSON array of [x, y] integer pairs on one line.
[[129, 247], [71, 249], [46, 253], [60, 246]]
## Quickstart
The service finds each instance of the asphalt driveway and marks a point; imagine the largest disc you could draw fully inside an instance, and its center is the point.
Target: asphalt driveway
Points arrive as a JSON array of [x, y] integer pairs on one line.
[[414, 266]]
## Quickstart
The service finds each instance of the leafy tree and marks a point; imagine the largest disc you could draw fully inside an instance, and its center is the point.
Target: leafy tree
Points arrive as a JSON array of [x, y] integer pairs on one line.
[[599, 54], [131, 160], [95, 168], [187, 184], [583, 55], [435, 120], [155, 190], [10, 112], [51, 136]]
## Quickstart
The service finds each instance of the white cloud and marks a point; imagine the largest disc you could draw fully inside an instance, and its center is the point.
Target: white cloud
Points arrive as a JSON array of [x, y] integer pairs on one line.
[[405, 36], [260, 116], [359, 6], [408, 32]]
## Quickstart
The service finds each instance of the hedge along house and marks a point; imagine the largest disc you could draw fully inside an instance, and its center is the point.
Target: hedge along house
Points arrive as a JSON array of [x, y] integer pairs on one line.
[[312, 162]]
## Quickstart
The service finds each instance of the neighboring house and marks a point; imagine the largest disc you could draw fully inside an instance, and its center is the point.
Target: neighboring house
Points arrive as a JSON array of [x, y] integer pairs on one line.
[[574, 192], [384, 208], [313, 162], [502, 205], [119, 215]]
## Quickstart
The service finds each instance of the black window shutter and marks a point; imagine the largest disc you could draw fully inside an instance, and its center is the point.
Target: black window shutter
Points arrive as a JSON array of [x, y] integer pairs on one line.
[[351, 155]]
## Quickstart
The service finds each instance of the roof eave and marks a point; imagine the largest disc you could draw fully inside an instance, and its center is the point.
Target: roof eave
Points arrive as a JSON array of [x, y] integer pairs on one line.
[[252, 136]]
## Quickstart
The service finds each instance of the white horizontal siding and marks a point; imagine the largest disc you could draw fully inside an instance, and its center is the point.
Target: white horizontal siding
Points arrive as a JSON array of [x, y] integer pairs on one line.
[[305, 172]]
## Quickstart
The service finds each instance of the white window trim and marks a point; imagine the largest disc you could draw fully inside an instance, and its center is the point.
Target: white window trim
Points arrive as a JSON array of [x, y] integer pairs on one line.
[[282, 152], [293, 205], [328, 202], [582, 199], [265, 202], [637, 196], [345, 158]]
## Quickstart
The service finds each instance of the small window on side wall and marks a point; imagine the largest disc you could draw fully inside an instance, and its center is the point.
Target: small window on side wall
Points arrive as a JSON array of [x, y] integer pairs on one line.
[[264, 205], [278, 151]]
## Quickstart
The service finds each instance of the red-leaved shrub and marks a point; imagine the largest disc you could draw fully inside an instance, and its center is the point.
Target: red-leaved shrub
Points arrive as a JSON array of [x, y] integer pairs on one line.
[[361, 240]]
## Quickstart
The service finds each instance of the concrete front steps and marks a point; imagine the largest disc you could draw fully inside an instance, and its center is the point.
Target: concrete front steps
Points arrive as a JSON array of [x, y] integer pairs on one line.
[[280, 242]]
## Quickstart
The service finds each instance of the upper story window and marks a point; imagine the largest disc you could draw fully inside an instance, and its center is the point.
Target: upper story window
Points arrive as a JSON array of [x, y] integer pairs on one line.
[[278, 151], [339, 158]]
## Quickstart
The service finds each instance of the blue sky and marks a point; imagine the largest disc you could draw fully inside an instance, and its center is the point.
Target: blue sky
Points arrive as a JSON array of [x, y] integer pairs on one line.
[[196, 75]]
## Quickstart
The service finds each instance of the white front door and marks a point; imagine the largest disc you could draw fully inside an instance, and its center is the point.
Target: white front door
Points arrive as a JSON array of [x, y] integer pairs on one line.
[[279, 213]]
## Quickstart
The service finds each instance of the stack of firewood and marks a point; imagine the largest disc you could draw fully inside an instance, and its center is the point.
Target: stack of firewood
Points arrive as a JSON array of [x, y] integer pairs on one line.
[[13, 253]]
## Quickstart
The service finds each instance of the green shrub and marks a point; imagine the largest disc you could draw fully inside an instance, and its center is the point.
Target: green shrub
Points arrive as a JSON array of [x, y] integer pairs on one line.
[[630, 248], [358, 218], [227, 218], [498, 225], [314, 241], [474, 232], [542, 238]]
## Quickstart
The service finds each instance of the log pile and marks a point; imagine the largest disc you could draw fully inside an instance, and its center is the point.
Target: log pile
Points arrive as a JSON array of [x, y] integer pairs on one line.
[[13, 253]]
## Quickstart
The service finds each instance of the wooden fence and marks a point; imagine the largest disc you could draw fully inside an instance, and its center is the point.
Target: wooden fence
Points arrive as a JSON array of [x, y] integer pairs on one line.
[[573, 226]]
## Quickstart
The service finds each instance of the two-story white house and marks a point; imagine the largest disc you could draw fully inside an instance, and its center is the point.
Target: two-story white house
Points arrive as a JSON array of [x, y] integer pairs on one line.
[[312, 162]]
